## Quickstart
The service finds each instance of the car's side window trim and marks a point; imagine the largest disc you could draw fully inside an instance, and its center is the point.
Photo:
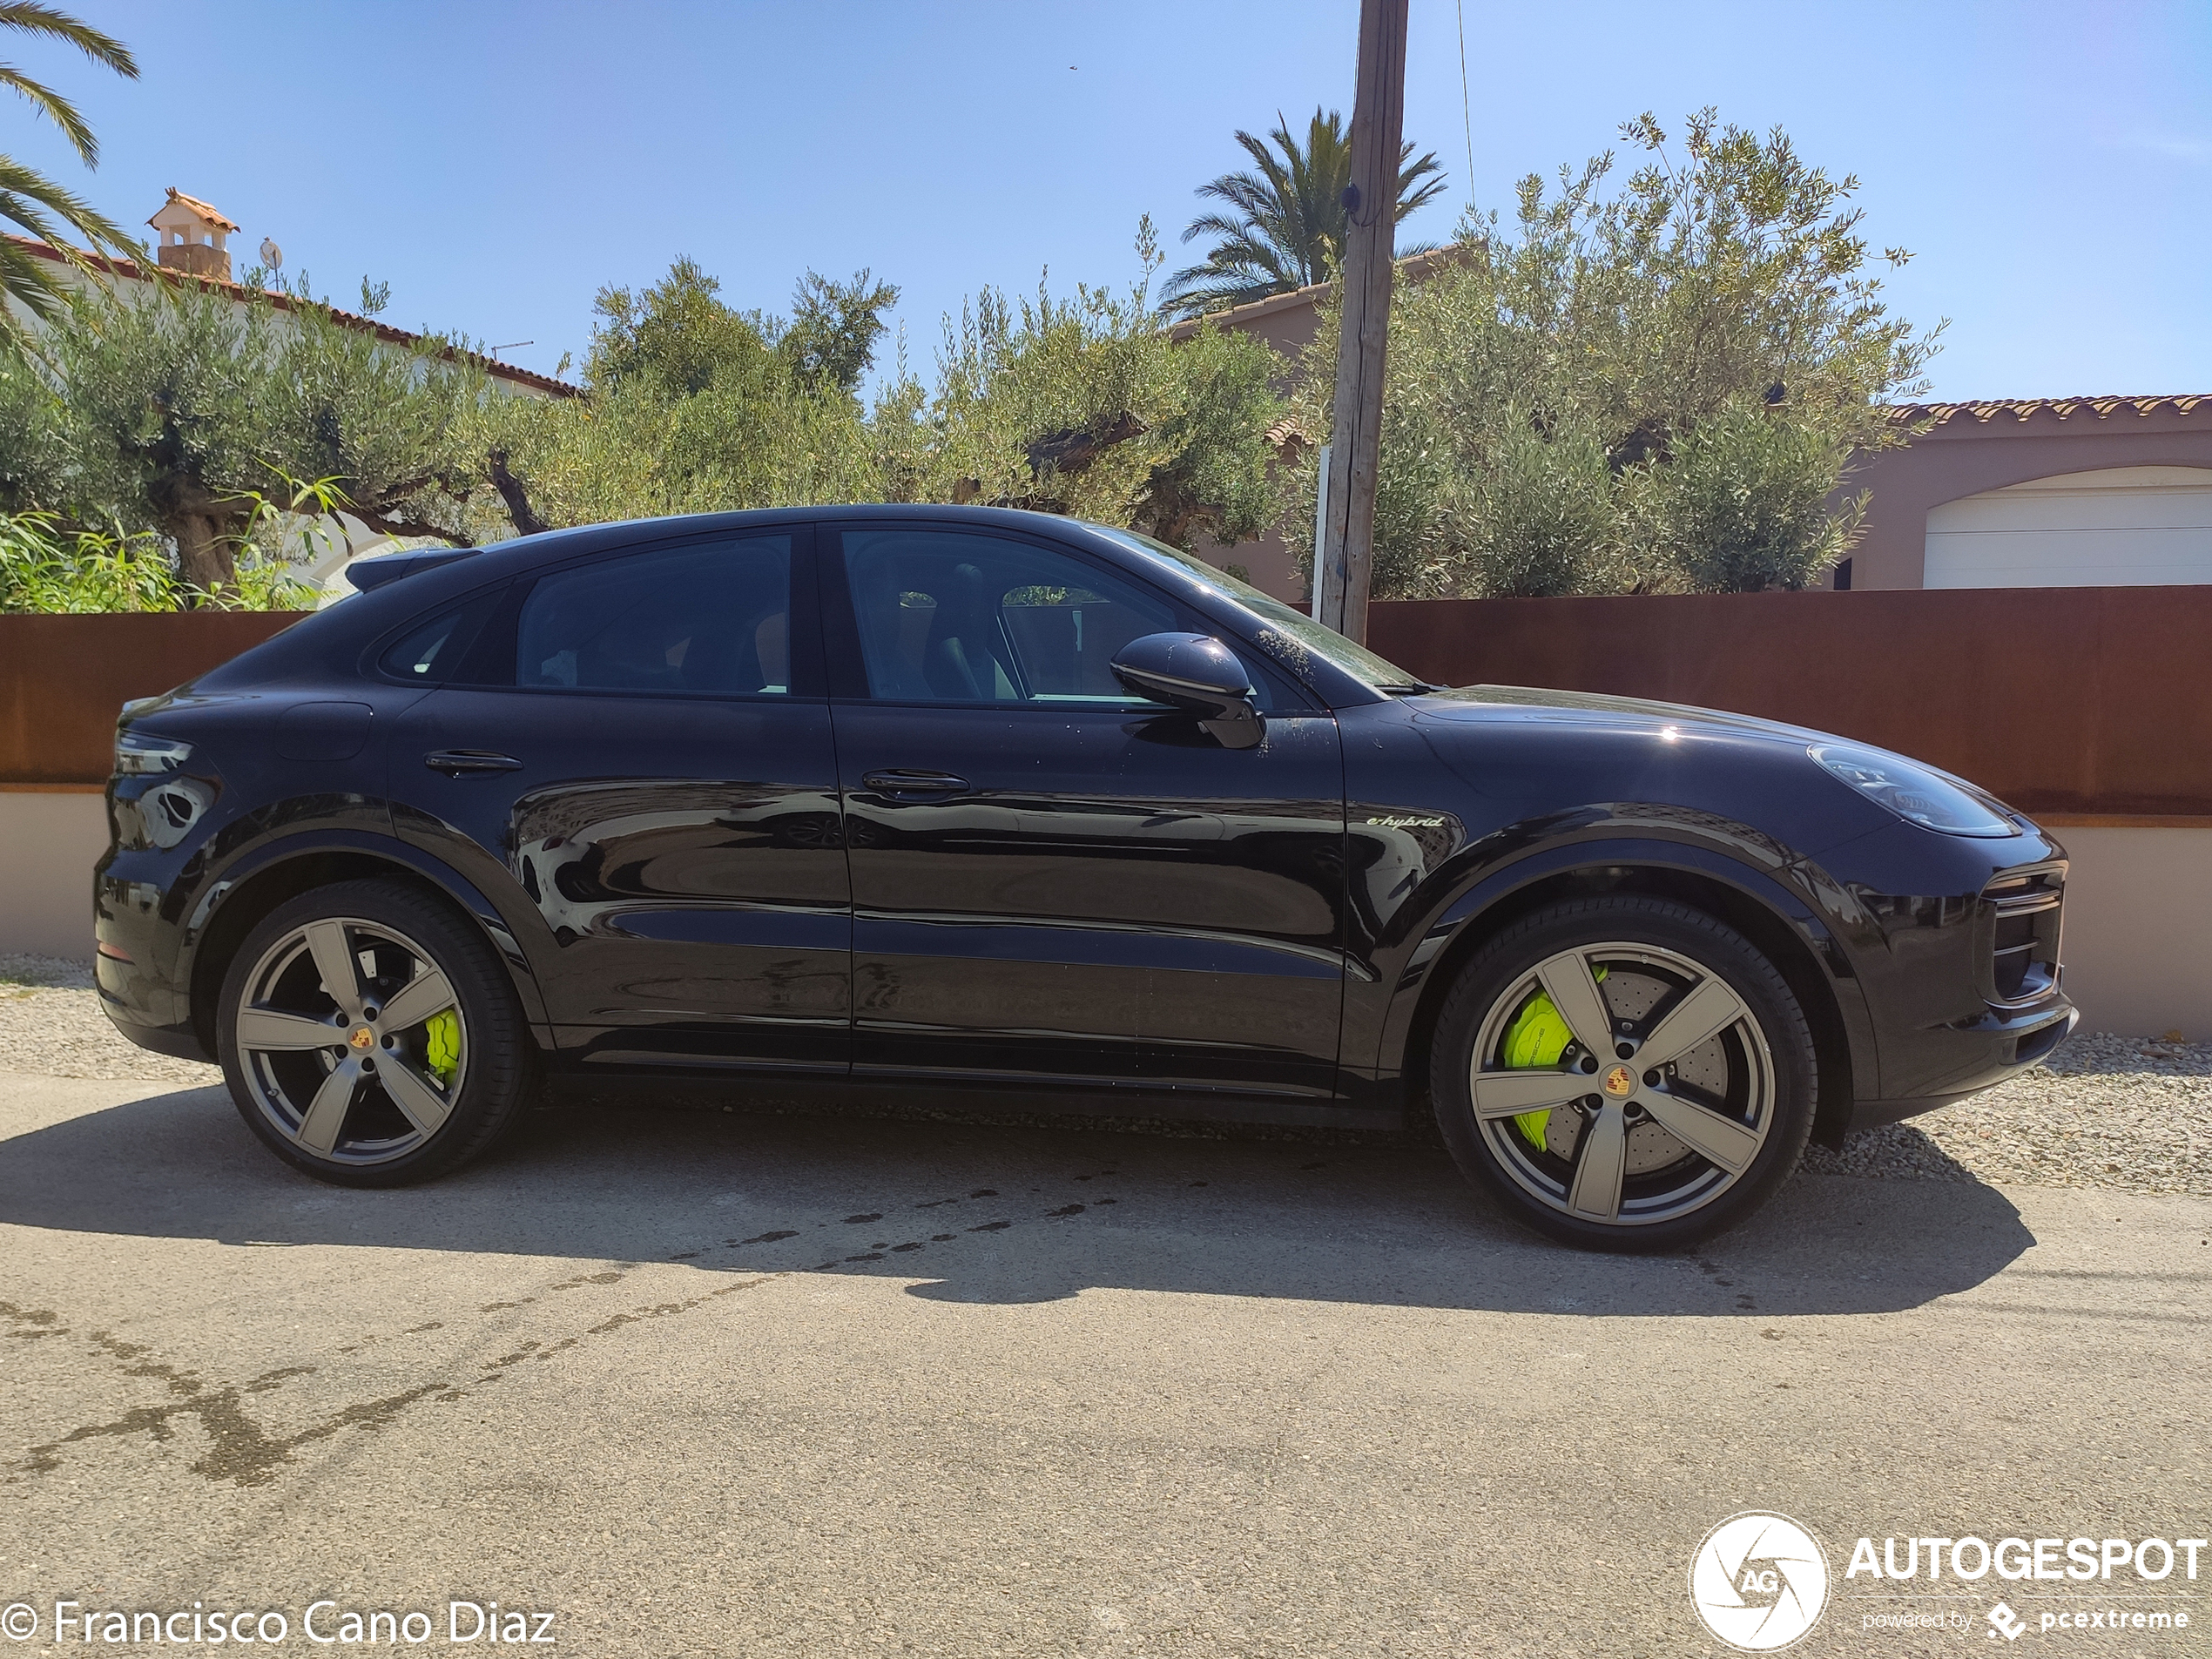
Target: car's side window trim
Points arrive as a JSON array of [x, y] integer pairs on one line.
[[490, 664], [846, 663]]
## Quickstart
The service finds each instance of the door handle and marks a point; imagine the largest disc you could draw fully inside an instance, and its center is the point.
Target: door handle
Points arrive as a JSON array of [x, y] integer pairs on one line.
[[900, 781], [455, 763]]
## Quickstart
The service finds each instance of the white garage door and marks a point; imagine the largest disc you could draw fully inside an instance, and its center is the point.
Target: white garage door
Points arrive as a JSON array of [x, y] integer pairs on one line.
[[2128, 527]]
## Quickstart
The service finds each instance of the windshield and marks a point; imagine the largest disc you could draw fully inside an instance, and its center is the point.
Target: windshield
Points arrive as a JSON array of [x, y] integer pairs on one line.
[[1291, 633]]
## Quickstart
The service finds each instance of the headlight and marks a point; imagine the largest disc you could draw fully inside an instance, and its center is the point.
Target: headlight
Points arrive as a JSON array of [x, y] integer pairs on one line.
[[140, 754], [1917, 794]]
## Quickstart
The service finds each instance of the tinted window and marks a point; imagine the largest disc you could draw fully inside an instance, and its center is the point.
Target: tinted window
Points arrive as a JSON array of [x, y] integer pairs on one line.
[[948, 617], [712, 617], [1290, 633], [433, 650]]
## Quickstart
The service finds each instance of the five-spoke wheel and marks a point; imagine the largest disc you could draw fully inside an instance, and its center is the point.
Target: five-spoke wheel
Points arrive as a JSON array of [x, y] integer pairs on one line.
[[1624, 1072], [370, 1041], [352, 1040]]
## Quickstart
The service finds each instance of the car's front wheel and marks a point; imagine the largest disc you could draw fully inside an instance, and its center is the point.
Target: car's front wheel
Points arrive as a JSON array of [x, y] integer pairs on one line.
[[1624, 1073], [369, 1037]]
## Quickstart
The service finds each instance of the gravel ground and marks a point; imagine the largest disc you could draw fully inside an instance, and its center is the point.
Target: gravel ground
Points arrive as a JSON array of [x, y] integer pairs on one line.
[[2131, 1114], [51, 1023]]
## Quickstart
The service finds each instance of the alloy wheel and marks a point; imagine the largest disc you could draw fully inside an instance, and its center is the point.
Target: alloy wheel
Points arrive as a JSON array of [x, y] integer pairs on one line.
[[1652, 1099], [352, 1040]]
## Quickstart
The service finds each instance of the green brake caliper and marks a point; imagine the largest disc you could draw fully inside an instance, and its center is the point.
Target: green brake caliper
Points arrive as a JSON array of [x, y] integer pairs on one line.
[[441, 1045], [1537, 1037]]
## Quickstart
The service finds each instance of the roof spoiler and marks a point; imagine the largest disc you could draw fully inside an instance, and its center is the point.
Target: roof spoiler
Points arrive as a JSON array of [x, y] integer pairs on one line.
[[375, 572]]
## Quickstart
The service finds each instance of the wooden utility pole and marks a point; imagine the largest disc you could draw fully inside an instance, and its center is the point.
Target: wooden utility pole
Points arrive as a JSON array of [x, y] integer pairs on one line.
[[1343, 563]]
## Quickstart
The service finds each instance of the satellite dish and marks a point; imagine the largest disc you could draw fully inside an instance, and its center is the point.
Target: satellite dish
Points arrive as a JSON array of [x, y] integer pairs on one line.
[[272, 255]]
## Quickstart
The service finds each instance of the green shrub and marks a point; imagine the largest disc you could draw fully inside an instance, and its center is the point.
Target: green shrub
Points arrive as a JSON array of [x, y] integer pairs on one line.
[[47, 567], [1744, 505]]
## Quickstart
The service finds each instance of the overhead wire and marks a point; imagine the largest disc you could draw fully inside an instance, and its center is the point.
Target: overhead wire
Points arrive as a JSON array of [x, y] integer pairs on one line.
[[1466, 105]]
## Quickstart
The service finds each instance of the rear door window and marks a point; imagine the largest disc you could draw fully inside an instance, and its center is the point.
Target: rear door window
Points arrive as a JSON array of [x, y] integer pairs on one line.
[[711, 618]]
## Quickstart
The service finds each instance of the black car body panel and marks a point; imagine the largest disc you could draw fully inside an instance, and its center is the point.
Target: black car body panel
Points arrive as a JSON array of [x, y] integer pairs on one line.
[[1097, 906]]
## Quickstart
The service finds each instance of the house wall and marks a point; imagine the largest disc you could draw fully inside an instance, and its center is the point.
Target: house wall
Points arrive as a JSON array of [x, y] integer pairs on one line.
[[1269, 564], [1968, 452], [2136, 902], [2085, 713], [65, 678], [2085, 702]]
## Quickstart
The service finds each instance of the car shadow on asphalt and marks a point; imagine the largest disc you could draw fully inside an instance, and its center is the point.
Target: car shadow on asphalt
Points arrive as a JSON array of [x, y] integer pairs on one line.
[[989, 1213]]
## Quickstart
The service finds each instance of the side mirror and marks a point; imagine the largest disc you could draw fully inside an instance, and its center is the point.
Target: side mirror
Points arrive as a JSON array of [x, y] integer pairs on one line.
[[1198, 675]]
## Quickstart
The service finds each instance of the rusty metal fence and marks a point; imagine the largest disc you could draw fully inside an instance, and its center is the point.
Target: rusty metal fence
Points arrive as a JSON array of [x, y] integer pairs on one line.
[[62, 679], [2073, 703], [2083, 703]]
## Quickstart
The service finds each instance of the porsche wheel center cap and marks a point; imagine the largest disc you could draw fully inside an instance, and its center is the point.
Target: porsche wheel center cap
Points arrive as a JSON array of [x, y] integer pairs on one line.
[[363, 1039], [1620, 1083]]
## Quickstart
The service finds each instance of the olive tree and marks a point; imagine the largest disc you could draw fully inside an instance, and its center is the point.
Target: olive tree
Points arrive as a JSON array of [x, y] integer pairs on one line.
[[694, 405], [1545, 388], [163, 400], [176, 409], [1089, 405], [1082, 405]]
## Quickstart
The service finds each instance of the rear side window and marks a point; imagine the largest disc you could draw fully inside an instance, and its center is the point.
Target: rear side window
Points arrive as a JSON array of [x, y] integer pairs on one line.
[[433, 651], [712, 617]]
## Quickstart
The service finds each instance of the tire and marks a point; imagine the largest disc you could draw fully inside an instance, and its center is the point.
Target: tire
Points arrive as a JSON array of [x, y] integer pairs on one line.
[[422, 1065], [1695, 1108]]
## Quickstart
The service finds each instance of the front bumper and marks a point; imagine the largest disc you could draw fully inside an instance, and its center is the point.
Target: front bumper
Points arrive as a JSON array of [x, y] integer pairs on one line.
[[1986, 1057], [1955, 945]]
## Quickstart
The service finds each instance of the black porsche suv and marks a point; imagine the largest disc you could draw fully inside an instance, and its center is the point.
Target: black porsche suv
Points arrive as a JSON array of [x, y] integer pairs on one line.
[[1010, 805]]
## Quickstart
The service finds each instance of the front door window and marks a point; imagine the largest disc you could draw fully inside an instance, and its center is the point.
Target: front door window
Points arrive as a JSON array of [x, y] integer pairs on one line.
[[952, 618]]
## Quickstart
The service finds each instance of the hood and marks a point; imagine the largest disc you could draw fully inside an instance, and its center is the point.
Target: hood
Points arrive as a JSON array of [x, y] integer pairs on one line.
[[1763, 756], [1537, 704]]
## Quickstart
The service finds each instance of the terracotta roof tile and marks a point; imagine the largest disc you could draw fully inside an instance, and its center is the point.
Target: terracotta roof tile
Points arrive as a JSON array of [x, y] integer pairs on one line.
[[126, 269], [2019, 409], [1413, 266], [198, 206]]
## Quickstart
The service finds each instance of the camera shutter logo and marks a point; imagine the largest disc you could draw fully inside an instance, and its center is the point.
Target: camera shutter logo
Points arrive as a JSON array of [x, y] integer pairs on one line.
[[1759, 1581]]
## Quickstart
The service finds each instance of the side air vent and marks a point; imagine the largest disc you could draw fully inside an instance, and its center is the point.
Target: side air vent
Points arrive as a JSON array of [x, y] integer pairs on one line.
[[2023, 922]]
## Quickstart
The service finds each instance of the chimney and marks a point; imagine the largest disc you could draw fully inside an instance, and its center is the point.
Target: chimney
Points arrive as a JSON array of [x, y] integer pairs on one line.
[[194, 237]]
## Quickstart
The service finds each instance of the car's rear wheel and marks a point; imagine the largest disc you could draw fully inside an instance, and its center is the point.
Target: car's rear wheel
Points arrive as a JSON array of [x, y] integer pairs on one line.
[[369, 1037], [1623, 1073]]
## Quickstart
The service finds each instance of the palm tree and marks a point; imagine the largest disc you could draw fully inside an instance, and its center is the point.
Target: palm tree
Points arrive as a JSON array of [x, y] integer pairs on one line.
[[33, 203], [1287, 228]]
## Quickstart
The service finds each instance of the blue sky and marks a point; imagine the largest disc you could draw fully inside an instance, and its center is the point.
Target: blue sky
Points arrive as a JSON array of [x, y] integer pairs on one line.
[[2050, 165]]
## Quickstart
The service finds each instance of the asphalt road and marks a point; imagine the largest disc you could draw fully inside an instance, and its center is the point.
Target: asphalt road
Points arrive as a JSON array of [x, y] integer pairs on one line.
[[709, 1384]]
